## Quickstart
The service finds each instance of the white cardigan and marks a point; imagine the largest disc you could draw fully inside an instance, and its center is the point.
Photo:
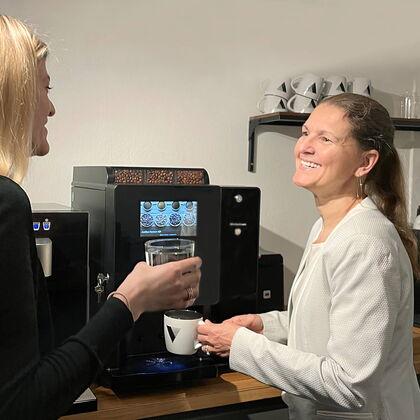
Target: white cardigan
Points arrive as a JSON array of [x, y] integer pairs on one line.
[[349, 351]]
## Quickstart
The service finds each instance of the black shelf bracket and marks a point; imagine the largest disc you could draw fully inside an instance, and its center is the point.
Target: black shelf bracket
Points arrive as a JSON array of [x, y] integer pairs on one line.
[[274, 119], [251, 146]]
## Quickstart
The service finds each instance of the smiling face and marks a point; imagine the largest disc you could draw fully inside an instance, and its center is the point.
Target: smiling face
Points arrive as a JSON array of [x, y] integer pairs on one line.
[[327, 158], [44, 109]]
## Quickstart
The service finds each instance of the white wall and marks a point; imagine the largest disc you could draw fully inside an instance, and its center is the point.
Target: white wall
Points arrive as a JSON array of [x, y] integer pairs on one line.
[[173, 83]]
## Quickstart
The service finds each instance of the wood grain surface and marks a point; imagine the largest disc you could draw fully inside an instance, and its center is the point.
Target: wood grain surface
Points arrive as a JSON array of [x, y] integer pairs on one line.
[[229, 388]]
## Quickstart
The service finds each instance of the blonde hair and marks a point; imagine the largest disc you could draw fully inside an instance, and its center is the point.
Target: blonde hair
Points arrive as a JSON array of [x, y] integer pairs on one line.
[[20, 53]]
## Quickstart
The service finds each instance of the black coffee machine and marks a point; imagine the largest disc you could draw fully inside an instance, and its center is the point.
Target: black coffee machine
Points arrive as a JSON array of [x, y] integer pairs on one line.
[[129, 206], [61, 236]]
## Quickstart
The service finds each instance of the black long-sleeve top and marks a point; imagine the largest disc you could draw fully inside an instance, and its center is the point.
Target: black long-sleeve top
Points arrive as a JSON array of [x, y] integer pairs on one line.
[[37, 382]]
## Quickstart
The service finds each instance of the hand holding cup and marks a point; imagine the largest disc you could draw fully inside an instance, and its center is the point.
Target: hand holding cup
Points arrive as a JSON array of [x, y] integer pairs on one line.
[[217, 338], [251, 321]]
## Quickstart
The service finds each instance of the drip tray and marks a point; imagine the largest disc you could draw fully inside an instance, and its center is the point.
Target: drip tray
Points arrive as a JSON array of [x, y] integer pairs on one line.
[[160, 369]]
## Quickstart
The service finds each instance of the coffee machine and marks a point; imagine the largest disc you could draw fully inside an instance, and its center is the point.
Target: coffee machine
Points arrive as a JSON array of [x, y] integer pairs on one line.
[[61, 235], [129, 206]]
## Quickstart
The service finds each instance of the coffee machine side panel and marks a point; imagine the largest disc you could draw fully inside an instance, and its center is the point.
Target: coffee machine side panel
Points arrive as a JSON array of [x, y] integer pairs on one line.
[[67, 278], [93, 201], [240, 240], [108, 262]]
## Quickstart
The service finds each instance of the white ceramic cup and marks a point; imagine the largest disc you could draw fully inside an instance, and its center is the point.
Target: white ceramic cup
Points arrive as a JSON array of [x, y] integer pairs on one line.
[[361, 86], [301, 104], [272, 103], [180, 331], [309, 85], [280, 87], [334, 85]]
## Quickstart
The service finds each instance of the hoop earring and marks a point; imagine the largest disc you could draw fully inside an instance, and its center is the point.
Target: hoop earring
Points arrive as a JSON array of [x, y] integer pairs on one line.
[[360, 191]]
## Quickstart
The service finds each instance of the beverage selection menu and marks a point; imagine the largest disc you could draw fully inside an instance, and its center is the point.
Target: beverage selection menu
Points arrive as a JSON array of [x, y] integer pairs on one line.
[[168, 218]]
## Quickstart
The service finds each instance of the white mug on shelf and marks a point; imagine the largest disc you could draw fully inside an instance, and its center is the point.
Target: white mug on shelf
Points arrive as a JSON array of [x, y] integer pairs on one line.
[[309, 85], [334, 85], [301, 104], [361, 86], [272, 103], [280, 87]]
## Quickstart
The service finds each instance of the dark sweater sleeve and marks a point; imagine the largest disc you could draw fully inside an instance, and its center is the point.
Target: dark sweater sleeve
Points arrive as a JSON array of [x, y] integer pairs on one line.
[[59, 378], [31, 386]]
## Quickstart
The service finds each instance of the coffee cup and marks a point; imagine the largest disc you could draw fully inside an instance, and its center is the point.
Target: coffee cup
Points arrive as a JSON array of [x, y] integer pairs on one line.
[[161, 251], [301, 104], [334, 85], [280, 87], [361, 86], [309, 85], [180, 331], [272, 103]]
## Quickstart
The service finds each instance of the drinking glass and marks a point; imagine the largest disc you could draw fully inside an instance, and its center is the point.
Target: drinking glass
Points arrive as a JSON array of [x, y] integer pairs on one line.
[[161, 251]]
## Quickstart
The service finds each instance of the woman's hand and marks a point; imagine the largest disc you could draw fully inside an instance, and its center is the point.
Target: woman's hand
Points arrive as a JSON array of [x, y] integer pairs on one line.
[[217, 338], [251, 321], [173, 285]]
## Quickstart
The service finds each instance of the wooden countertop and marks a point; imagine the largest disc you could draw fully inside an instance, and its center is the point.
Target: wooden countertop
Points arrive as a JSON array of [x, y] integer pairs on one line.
[[228, 388]]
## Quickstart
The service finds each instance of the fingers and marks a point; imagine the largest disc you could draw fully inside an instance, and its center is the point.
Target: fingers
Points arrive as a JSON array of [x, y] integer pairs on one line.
[[205, 349], [141, 264], [204, 330], [209, 349], [187, 265], [191, 278]]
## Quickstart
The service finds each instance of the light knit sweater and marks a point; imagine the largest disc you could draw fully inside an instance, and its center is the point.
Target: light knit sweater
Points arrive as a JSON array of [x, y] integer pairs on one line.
[[348, 352]]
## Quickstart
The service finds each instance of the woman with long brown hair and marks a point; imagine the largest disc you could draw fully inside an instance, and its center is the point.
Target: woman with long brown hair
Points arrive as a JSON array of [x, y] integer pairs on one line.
[[344, 347]]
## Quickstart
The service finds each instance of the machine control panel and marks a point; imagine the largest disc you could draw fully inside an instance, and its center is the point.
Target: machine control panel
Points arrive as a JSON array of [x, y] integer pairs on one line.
[[168, 218]]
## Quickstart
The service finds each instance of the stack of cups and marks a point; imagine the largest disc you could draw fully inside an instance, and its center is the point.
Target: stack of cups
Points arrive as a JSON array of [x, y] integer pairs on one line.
[[275, 97], [308, 88], [334, 85], [361, 86]]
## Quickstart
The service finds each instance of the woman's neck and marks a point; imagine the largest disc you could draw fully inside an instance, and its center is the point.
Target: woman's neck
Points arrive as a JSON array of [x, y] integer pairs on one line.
[[332, 211]]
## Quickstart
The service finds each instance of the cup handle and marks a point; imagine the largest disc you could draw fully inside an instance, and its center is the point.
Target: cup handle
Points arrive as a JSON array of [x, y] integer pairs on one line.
[[260, 104], [294, 83], [290, 102], [197, 344]]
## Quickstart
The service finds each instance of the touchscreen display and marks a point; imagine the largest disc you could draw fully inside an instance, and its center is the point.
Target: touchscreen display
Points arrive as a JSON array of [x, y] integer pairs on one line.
[[168, 218]]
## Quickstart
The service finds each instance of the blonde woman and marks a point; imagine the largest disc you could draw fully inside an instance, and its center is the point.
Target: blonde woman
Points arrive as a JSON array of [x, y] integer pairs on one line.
[[344, 348], [37, 381]]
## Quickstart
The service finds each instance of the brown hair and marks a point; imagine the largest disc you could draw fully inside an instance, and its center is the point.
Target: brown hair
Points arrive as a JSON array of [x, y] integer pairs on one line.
[[372, 127], [20, 53]]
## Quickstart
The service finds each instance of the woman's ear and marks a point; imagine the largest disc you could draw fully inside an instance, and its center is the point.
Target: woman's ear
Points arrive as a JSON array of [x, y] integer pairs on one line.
[[369, 160]]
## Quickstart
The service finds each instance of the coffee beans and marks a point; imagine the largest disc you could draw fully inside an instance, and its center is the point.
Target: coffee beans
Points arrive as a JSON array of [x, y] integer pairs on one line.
[[190, 177], [128, 176], [160, 176]]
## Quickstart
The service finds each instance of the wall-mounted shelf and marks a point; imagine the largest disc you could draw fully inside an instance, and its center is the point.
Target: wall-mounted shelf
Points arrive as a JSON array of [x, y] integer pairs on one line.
[[294, 119]]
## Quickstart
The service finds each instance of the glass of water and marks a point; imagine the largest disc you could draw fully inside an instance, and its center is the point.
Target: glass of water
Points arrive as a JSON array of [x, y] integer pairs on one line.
[[161, 251]]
